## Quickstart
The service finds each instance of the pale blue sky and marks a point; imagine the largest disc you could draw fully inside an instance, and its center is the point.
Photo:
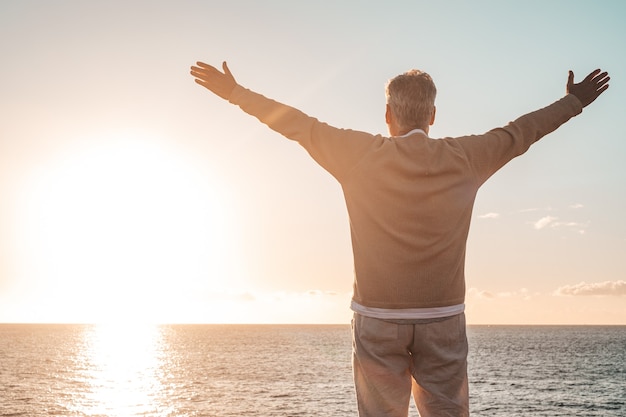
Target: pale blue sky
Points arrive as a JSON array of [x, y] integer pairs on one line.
[[123, 183]]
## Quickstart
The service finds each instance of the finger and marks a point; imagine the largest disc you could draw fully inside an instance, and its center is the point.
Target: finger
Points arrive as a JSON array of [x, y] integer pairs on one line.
[[207, 69], [203, 84], [196, 72], [601, 77], [601, 80], [591, 75], [603, 83], [203, 65], [200, 70], [205, 72], [601, 86], [226, 70], [570, 78]]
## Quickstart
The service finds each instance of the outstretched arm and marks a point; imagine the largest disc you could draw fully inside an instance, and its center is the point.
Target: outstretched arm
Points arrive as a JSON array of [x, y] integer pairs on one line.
[[590, 88], [220, 83], [336, 150]]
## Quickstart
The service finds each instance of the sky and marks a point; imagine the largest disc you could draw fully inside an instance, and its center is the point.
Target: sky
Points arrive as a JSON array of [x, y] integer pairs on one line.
[[129, 193]]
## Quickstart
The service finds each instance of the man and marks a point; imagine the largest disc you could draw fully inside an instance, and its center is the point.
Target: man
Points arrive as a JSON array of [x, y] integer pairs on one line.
[[409, 200]]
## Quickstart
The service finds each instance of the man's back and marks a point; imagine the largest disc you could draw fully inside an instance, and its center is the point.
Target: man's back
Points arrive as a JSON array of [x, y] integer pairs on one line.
[[410, 202]]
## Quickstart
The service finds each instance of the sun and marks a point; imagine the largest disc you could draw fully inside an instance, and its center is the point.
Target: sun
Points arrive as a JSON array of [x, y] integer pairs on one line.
[[123, 228]]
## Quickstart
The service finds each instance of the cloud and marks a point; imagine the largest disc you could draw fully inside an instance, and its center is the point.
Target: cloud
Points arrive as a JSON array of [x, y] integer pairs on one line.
[[489, 216], [543, 222], [523, 293], [614, 288], [320, 293], [576, 206], [553, 223], [480, 293]]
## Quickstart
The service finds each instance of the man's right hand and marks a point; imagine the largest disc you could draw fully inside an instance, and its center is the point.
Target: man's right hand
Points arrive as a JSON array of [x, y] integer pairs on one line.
[[220, 83], [590, 88]]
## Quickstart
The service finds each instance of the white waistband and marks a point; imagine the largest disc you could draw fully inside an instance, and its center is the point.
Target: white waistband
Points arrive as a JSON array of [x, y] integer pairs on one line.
[[407, 313]]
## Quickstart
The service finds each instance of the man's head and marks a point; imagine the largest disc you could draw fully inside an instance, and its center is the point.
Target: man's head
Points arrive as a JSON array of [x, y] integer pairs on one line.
[[410, 102]]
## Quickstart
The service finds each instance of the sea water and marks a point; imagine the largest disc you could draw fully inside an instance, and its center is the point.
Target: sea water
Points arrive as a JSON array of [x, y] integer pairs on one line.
[[289, 370]]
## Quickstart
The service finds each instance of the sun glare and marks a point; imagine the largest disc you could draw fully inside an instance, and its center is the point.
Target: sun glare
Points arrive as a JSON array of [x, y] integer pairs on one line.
[[124, 229], [123, 371]]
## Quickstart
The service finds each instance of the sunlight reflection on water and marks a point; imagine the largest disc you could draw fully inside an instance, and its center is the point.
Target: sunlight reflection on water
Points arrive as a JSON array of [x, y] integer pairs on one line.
[[122, 364]]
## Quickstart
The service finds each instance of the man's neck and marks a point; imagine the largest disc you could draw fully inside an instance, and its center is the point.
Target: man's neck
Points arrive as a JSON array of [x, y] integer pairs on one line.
[[404, 132]]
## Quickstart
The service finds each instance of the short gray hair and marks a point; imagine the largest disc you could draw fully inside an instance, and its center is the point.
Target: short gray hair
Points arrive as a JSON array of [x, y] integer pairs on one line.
[[411, 97]]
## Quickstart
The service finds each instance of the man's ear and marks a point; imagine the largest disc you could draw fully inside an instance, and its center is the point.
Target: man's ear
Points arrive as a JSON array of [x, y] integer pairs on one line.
[[432, 116], [388, 115]]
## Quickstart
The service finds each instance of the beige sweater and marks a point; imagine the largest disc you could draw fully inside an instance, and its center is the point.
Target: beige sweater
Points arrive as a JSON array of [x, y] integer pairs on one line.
[[409, 199]]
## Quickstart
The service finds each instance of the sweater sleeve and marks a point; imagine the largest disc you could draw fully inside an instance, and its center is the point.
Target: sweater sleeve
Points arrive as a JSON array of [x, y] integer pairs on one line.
[[336, 150], [487, 153]]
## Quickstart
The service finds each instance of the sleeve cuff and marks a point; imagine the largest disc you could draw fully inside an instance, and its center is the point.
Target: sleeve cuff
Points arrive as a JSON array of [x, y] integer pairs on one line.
[[574, 103], [236, 94]]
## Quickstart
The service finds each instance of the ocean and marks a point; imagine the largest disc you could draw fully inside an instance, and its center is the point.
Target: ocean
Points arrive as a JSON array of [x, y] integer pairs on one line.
[[289, 370]]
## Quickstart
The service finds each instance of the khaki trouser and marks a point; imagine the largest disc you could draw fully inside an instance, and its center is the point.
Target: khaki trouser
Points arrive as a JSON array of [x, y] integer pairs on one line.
[[430, 359]]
